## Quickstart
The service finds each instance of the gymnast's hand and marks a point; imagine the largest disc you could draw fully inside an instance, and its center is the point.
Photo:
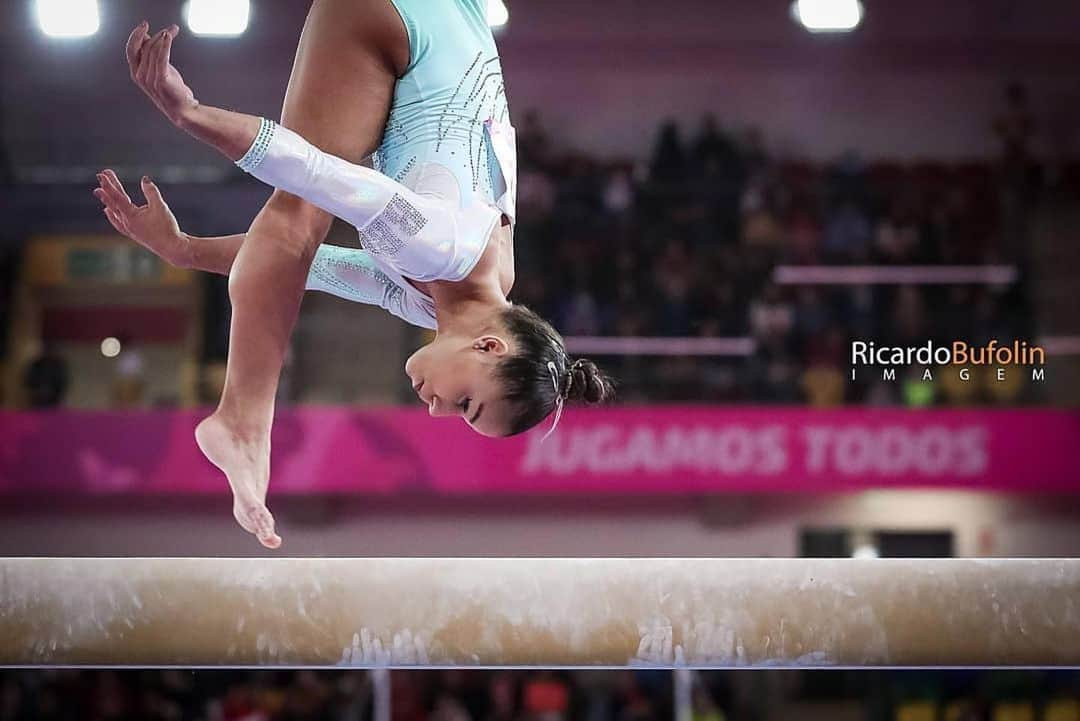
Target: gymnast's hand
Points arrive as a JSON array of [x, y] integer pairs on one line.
[[153, 226], [149, 62]]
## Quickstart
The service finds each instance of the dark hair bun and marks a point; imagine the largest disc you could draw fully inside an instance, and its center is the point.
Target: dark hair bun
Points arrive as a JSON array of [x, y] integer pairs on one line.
[[588, 384]]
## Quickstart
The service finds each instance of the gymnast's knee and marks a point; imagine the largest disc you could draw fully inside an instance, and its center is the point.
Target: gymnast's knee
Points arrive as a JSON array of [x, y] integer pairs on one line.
[[292, 225]]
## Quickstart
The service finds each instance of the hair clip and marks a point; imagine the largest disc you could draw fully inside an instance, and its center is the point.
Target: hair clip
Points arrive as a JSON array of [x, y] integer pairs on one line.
[[558, 399]]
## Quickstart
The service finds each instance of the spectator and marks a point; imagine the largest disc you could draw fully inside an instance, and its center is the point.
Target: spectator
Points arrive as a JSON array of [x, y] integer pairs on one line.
[[502, 701], [774, 376], [546, 697], [673, 280], [619, 192], [811, 316], [846, 182], [804, 236], [704, 708], [715, 156], [533, 143], [986, 320], [1015, 127], [897, 236], [761, 227], [305, 699], [954, 316], [771, 317], [847, 235], [112, 700], [46, 378], [916, 390], [908, 317], [715, 311], [449, 708], [238, 704], [823, 382], [668, 159], [954, 390], [536, 193], [129, 384], [11, 699], [857, 311], [882, 393], [755, 158], [406, 697], [580, 314], [351, 697]]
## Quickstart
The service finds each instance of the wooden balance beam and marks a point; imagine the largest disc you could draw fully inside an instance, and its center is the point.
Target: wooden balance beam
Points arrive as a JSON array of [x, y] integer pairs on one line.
[[706, 613]]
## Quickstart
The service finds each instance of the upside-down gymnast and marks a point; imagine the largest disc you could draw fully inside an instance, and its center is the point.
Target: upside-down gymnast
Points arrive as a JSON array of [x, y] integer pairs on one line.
[[420, 83]]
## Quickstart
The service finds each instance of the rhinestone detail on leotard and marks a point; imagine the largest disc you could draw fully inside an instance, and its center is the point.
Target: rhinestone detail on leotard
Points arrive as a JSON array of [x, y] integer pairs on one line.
[[255, 154]]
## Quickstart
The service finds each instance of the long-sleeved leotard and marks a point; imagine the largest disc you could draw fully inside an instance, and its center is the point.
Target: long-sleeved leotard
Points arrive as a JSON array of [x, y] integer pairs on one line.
[[352, 274], [407, 235], [449, 146]]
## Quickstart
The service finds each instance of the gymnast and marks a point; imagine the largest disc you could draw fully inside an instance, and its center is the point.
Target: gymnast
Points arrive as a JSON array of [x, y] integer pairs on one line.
[[421, 84]]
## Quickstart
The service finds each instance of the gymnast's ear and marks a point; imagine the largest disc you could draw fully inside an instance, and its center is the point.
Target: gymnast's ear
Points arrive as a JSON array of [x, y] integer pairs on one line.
[[492, 344]]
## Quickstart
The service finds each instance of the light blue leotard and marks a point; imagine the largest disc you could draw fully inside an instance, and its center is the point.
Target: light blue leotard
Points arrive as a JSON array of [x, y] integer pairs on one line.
[[448, 136], [452, 86]]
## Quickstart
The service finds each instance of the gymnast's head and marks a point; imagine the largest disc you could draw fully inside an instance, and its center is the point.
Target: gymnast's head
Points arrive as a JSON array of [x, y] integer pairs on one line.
[[506, 379]]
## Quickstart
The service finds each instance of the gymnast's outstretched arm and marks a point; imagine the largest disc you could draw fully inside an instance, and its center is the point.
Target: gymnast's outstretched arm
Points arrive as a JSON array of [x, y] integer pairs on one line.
[[154, 227], [348, 273], [274, 154]]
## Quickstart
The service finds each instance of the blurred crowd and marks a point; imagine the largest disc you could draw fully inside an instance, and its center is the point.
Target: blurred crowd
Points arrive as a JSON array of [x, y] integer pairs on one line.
[[686, 245], [456, 695], [174, 695]]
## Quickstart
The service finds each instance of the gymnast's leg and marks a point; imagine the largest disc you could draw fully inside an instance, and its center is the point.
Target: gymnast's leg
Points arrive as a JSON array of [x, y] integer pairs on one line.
[[339, 95]]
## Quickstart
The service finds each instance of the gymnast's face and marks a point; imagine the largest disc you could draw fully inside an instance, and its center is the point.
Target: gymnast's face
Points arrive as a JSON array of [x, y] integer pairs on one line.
[[454, 377]]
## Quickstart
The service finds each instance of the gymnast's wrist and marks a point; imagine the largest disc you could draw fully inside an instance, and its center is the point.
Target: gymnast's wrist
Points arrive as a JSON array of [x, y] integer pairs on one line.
[[187, 252], [189, 118]]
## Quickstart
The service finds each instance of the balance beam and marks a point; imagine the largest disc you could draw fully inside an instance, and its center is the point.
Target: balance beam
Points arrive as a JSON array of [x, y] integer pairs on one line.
[[707, 613]]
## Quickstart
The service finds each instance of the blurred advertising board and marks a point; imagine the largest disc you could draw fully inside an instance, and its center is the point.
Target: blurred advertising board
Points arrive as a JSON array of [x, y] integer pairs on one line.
[[644, 450]]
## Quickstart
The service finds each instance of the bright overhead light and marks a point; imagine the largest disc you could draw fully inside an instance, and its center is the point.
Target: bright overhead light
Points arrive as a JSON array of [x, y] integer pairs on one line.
[[828, 16], [110, 347], [221, 18], [497, 14], [68, 18]]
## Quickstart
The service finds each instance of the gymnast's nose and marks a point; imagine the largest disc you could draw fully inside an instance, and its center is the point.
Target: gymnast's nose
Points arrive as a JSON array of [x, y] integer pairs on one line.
[[438, 408]]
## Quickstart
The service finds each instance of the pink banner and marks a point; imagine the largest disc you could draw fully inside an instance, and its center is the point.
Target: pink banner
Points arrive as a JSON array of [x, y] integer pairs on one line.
[[661, 450]]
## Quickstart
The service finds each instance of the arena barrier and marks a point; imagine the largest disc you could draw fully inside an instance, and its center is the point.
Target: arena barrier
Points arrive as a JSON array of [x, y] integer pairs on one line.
[[663, 450]]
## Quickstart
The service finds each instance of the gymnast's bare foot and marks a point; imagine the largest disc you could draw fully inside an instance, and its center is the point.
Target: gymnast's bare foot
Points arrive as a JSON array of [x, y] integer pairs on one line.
[[247, 466]]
